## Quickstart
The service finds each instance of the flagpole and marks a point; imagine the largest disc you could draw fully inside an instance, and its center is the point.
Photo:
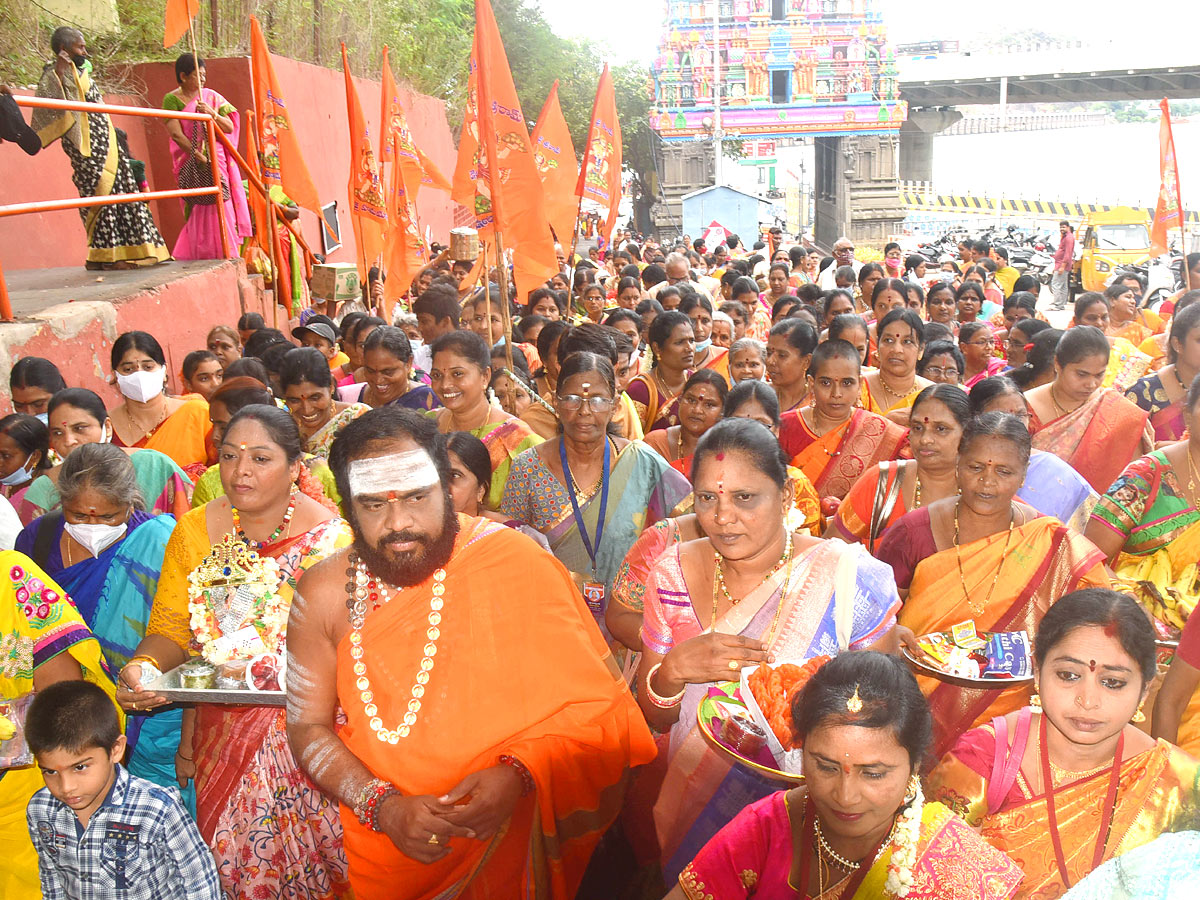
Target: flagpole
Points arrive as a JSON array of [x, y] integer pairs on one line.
[[506, 318]]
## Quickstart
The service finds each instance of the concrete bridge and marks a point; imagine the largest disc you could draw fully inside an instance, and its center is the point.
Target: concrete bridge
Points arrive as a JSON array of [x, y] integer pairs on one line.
[[993, 123], [933, 85]]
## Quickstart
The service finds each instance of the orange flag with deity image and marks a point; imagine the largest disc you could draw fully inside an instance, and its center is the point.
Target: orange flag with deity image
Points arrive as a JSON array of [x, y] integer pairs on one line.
[[555, 157], [368, 213], [600, 173], [1168, 213], [496, 177], [282, 162]]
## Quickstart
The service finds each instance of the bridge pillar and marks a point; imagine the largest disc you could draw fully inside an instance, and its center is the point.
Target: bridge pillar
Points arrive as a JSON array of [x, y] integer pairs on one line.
[[856, 189], [916, 141]]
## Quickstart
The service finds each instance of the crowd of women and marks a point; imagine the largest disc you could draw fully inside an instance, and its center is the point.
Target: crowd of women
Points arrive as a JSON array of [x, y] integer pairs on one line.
[[737, 467]]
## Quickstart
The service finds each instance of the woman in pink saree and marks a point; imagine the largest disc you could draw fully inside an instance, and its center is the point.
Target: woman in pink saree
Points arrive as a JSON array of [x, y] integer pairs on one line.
[[201, 234]]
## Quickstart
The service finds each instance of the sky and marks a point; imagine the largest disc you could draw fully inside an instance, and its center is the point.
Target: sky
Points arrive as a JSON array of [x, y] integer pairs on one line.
[[631, 28]]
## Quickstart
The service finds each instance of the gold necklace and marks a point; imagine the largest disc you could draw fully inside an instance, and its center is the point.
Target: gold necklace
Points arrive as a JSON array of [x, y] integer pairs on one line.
[[888, 390], [917, 493], [787, 578], [367, 587], [1192, 473], [979, 609], [1062, 411], [719, 571], [847, 864]]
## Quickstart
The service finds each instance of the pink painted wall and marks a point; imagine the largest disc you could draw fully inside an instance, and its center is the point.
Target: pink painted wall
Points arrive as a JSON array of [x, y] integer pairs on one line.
[[318, 103]]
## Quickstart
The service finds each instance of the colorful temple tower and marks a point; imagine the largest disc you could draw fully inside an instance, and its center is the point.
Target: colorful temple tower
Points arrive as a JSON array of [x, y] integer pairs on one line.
[[784, 69]]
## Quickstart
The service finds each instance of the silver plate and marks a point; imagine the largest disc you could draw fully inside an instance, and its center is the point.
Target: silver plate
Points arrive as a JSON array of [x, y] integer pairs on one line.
[[168, 685]]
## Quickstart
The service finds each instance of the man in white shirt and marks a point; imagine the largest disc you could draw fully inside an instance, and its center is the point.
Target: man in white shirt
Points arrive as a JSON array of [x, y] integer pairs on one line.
[[843, 255], [678, 272]]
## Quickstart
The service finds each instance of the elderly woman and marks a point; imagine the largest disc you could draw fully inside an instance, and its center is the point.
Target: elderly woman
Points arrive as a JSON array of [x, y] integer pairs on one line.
[[590, 493], [699, 410], [980, 555], [462, 371], [747, 360], [308, 391], [106, 551], [655, 393], [864, 712], [1065, 783], [1095, 429], [271, 831], [78, 418], [148, 417], [891, 390], [749, 592], [225, 344]]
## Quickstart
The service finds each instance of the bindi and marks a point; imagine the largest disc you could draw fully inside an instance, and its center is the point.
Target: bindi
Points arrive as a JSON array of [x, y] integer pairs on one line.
[[1092, 665]]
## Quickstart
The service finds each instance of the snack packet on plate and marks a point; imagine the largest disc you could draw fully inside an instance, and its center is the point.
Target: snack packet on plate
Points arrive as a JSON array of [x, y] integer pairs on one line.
[[1008, 655]]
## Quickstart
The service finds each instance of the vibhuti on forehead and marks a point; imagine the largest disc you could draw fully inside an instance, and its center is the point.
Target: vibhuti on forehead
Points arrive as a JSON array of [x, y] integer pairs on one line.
[[408, 470]]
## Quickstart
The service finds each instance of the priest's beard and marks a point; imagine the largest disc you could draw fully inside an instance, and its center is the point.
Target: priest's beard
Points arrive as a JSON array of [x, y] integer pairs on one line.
[[414, 566]]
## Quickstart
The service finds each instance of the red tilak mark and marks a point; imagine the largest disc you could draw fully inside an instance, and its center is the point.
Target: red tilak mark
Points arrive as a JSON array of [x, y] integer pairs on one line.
[[720, 456], [1110, 630], [1092, 664], [392, 497]]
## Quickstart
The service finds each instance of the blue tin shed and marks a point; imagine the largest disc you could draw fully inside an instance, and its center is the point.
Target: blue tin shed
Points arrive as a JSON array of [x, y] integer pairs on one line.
[[735, 210]]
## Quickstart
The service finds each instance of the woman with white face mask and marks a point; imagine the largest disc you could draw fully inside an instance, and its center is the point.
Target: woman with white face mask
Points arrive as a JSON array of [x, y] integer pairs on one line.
[[106, 552], [78, 418], [147, 417], [24, 455]]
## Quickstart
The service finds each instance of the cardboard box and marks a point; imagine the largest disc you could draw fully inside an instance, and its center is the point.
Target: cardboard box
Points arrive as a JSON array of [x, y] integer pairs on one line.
[[335, 281]]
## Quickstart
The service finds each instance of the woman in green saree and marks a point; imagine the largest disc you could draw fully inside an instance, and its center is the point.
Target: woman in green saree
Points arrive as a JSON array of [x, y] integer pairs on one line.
[[589, 493]]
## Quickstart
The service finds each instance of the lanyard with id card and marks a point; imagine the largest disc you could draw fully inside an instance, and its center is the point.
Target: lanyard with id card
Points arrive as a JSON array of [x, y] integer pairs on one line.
[[593, 591]]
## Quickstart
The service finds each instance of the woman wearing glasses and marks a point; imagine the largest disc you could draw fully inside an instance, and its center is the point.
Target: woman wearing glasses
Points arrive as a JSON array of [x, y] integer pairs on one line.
[[976, 342], [588, 492]]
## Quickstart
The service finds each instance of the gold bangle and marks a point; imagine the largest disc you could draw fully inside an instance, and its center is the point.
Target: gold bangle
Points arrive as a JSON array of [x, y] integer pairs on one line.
[[142, 657], [657, 699]]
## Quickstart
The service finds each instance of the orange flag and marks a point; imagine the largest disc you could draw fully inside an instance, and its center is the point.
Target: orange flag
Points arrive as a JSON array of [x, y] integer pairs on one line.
[[368, 213], [1168, 213], [555, 157], [404, 253], [178, 19], [496, 176], [600, 173], [282, 162]]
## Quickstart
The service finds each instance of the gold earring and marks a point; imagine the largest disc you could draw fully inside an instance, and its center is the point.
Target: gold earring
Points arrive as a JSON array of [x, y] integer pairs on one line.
[[1035, 702], [914, 786], [1139, 717]]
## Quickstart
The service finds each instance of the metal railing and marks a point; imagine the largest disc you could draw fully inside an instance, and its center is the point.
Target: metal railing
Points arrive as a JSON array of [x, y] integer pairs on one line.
[[213, 135]]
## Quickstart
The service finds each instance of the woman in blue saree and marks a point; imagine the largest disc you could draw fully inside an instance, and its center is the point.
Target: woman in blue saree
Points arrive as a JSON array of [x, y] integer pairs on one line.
[[106, 552], [592, 508]]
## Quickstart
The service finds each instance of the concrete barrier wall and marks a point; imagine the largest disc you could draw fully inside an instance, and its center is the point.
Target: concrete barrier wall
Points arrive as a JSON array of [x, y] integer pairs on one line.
[[317, 100]]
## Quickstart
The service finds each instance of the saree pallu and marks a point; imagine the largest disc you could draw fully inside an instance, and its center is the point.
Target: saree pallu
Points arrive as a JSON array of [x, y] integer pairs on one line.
[[835, 460], [1126, 364], [1166, 418], [272, 832], [642, 490], [183, 436], [38, 622], [1099, 439], [1144, 325], [321, 442], [1162, 868], [1149, 508], [655, 409], [122, 232], [200, 237], [753, 856], [166, 488], [1155, 347], [563, 711], [505, 441], [702, 791], [1155, 787], [718, 361], [1045, 560]]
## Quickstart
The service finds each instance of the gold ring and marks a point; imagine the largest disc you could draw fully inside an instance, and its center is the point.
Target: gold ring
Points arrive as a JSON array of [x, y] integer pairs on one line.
[[733, 665], [433, 839]]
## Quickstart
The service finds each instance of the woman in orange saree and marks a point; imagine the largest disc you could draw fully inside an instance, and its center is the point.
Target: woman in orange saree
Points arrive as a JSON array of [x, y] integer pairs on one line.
[[832, 442], [1064, 786], [1095, 429], [271, 831], [981, 556]]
